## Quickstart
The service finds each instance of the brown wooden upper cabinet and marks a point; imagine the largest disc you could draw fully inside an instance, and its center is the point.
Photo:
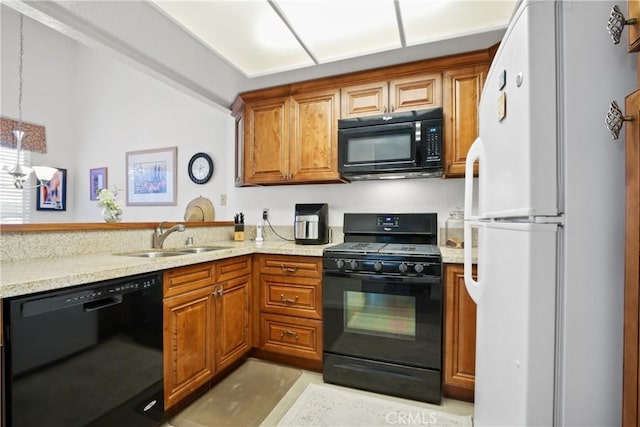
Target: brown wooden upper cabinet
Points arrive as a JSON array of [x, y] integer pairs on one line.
[[291, 139], [462, 90], [288, 134], [405, 94]]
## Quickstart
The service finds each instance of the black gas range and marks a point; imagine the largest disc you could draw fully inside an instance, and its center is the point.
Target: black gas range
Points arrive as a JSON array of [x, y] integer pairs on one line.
[[382, 305]]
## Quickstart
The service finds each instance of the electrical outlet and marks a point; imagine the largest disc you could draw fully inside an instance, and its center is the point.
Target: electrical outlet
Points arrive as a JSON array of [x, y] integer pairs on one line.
[[265, 213]]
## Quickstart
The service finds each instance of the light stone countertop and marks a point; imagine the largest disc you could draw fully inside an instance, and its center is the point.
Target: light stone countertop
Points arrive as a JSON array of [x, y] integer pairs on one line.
[[43, 274]]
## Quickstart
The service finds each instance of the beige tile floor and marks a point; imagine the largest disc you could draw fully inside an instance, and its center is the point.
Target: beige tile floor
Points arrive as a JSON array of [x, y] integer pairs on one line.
[[285, 403]]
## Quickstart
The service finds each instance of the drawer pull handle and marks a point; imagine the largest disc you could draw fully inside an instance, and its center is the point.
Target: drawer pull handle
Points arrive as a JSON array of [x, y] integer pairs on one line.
[[289, 269], [285, 299], [289, 332]]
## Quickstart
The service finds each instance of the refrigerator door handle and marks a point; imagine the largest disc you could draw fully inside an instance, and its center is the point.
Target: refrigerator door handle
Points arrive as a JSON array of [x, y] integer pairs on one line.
[[475, 153], [474, 287]]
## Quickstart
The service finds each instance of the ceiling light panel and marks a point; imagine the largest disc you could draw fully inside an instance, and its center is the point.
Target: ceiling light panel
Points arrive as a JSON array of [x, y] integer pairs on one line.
[[340, 29], [427, 21], [249, 34]]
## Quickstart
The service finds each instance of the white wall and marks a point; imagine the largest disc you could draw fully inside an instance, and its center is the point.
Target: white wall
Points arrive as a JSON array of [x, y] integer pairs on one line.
[[97, 109]]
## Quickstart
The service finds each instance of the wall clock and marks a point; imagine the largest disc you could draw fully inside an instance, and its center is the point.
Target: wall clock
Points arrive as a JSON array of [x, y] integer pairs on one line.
[[200, 168]]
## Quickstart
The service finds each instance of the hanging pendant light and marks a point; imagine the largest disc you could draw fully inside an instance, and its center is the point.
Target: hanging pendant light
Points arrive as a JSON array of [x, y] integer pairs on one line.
[[19, 172]]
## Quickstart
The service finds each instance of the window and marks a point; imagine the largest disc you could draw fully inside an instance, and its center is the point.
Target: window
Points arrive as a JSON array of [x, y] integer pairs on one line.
[[14, 203]]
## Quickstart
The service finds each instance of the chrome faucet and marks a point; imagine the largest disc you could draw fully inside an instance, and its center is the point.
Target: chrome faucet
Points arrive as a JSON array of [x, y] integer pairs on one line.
[[159, 236]]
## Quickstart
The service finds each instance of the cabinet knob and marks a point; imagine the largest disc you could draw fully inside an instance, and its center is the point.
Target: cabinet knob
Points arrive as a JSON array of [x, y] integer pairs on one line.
[[616, 24], [615, 119]]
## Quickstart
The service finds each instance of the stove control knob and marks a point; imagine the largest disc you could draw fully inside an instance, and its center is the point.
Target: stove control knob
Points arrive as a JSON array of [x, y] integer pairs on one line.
[[377, 266], [419, 268], [402, 267], [353, 264], [340, 263]]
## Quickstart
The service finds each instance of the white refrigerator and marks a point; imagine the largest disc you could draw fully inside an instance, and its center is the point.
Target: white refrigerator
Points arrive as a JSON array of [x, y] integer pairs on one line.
[[548, 207]]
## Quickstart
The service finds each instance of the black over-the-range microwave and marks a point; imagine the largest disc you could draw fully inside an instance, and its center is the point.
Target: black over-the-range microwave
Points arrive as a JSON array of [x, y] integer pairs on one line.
[[397, 145]]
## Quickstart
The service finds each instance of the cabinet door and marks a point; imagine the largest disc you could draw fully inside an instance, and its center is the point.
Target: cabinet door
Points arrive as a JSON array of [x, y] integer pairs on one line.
[[187, 355], [232, 320], [266, 142], [364, 99], [415, 92], [314, 139], [460, 336], [462, 90], [631, 364]]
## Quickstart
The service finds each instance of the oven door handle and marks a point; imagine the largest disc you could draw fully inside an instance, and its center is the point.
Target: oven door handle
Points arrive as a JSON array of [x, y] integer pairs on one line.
[[385, 277]]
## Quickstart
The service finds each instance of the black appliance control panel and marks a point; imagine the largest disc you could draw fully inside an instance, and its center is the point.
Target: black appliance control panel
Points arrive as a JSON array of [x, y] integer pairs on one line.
[[99, 291]]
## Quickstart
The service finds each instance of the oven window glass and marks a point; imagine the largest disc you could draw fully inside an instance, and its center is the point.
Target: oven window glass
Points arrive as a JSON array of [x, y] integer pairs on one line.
[[368, 149], [383, 315]]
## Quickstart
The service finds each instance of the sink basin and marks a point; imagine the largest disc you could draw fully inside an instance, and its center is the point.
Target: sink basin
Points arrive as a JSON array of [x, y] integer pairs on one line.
[[155, 254], [200, 249], [160, 253]]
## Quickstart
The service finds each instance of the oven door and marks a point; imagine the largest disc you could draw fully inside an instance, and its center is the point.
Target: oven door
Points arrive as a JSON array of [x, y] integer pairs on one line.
[[384, 318]]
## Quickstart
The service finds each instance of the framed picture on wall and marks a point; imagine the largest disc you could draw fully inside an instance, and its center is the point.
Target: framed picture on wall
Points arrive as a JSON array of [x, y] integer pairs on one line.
[[152, 177], [52, 195], [97, 181]]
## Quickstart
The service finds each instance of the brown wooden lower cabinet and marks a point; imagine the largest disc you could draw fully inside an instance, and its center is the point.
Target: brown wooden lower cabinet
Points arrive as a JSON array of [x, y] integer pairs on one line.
[[290, 307], [232, 337], [459, 336], [188, 348], [206, 324]]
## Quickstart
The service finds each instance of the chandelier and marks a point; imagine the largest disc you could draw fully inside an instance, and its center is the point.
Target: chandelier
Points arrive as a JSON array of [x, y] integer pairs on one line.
[[19, 172]]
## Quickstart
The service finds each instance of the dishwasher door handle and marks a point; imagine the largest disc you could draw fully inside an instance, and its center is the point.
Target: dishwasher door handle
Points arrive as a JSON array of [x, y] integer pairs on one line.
[[102, 303]]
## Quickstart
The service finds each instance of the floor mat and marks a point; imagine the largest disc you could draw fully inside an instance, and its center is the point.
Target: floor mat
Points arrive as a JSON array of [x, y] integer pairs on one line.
[[244, 398], [332, 406]]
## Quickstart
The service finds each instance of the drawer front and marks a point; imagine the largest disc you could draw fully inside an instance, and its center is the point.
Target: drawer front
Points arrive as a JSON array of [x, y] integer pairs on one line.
[[231, 268], [185, 279], [292, 336], [294, 266], [291, 296]]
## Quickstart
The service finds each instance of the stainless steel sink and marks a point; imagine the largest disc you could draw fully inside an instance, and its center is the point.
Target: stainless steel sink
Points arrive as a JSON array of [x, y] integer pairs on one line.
[[160, 253], [199, 249], [154, 254]]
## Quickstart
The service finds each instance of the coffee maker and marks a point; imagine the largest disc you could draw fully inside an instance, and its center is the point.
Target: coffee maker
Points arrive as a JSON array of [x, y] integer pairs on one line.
[[311, 225]]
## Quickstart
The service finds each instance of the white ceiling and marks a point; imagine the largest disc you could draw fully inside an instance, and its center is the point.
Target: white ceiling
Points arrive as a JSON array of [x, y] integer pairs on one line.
[[263, 37], [215, 49]]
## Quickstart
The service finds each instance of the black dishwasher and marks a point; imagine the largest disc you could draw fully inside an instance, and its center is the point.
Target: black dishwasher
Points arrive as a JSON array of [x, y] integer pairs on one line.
[[89, 355]]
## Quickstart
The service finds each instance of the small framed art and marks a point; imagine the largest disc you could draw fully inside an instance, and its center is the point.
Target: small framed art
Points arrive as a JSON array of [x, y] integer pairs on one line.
[[152, 177], [97, 181], [52, 195]]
